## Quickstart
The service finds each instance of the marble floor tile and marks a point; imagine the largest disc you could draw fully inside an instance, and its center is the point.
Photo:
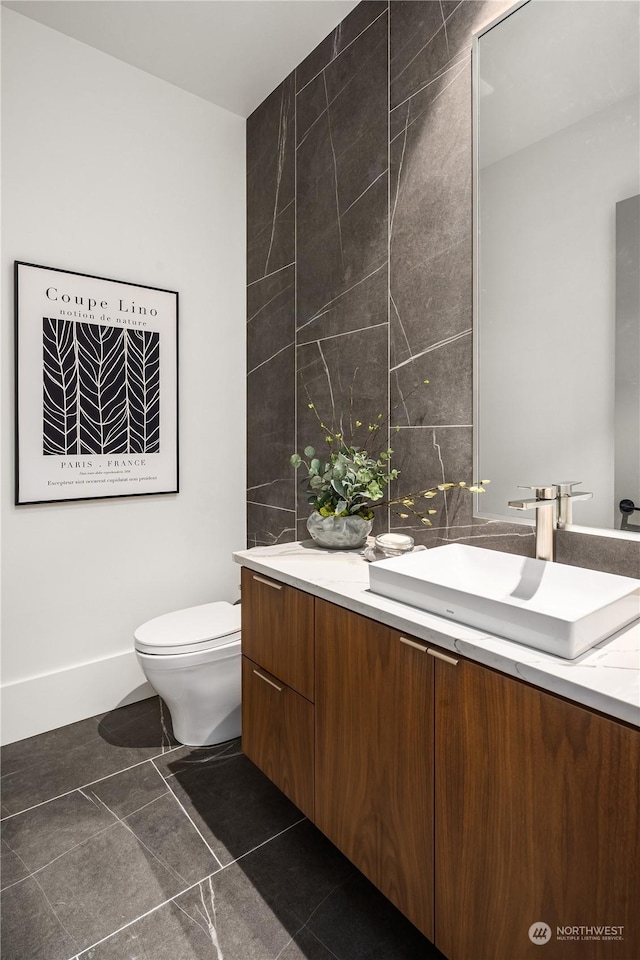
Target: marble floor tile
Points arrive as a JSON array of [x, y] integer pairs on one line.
[[30, 927], [35, 771], [247, 924], [223, 916], [170, 934], [143, 724], [302, 872], [296, 897], [52, 829], [126, 792], [165, 934], [96, 871], [211, 921], [24, 753], [171, 838], [12, 868], [123, 872], [232, 803], [359, 923], [299, 869], [105, 883]]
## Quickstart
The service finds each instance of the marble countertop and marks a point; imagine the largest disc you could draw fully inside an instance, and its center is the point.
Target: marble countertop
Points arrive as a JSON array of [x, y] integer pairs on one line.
[[605, 678]]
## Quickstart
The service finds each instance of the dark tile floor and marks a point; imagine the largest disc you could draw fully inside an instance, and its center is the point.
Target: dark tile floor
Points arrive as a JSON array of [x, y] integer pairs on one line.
[[118, 844]]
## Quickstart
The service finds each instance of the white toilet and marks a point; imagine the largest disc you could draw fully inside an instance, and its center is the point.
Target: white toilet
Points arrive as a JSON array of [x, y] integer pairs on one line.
[[192, 659]]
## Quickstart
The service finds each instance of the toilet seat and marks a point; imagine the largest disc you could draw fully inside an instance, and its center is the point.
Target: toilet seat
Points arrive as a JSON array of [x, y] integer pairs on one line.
[[192, 630]]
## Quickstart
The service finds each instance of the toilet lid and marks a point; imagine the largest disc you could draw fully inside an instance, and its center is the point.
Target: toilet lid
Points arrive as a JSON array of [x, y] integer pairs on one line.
[[185, 631]]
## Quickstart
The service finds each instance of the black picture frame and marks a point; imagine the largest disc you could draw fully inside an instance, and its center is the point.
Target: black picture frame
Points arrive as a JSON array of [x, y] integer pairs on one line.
[[96, 387]]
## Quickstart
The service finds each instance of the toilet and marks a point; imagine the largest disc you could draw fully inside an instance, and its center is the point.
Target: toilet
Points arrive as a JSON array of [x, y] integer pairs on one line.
[[192, 660]]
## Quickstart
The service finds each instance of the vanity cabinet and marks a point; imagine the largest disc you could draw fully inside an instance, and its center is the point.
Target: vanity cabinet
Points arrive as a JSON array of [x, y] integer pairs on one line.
[[374, 755], [277, 685], [477, 803], [277, 630], [277, 733], [537, 818]]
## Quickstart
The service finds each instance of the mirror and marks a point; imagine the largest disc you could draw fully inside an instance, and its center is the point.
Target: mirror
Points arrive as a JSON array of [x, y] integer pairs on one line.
[[556, 257]]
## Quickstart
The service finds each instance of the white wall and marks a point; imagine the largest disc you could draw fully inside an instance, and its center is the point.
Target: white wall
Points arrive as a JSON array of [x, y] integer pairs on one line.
[[107, 170]]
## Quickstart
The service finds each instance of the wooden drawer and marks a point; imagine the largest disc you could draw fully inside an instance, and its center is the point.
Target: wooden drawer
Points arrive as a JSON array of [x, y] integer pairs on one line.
[[277, 630], [277, 734]]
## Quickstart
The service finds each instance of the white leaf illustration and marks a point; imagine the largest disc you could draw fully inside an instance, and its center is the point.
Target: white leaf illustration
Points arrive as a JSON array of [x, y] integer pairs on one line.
[[59, 388], [101, 389]]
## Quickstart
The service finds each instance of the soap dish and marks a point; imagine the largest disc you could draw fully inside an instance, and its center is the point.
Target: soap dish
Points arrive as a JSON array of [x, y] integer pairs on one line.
[[393, 544]]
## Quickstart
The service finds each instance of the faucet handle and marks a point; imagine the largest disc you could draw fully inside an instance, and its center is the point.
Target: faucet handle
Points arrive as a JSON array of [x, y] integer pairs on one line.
[[565, 490], [542, 493], [565, 487], [566, 496]]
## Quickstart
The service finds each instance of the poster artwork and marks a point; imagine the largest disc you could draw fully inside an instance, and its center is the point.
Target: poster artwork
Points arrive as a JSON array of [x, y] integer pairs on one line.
[[97, 387], [101, 391]]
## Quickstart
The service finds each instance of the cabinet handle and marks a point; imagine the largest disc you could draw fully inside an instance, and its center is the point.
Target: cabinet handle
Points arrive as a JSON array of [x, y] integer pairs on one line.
[[442, 656], [270, 682], [268, 583], [412, 643]]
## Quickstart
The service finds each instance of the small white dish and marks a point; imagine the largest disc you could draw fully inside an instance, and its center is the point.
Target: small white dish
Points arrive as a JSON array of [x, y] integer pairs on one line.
[[394, 544]]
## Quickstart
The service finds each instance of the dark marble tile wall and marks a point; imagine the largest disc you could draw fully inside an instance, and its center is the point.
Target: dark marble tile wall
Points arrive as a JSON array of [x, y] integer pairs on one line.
[[378, 297], [318, 329], [271, 316], [610, 554], [342, 261], [430, 287]]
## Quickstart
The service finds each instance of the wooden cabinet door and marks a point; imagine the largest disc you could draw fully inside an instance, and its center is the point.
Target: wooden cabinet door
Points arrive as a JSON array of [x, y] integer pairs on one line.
[[277, 630], [374, 755], [277, 733], [537, 821]]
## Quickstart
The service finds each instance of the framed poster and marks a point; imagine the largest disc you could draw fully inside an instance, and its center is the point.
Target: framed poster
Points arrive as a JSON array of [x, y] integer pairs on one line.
[[96, 387]]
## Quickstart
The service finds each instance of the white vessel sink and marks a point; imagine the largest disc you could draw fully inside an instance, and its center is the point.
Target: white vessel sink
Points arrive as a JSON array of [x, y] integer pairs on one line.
[[550, 606]]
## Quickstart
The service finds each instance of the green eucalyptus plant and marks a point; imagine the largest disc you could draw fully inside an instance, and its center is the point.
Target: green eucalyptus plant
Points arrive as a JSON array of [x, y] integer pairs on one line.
[[348, 481]]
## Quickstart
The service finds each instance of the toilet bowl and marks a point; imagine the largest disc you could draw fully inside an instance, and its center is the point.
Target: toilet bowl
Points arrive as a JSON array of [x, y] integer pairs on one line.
[[192, 660]]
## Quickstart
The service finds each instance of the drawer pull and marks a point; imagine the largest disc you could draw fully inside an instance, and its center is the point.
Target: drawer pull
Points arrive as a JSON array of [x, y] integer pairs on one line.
[[268, 583], [442, 656], [266, 680], [413, 643]]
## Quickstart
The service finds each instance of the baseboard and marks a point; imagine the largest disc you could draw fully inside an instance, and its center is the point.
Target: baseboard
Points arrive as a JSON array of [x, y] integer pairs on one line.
[[46, 702]]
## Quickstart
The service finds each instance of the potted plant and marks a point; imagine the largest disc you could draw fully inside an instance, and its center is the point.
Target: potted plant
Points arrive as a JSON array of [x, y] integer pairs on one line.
[[345, 484]]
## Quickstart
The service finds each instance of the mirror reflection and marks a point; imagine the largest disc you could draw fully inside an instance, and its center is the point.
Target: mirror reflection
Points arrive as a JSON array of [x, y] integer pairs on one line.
[[557, 296]]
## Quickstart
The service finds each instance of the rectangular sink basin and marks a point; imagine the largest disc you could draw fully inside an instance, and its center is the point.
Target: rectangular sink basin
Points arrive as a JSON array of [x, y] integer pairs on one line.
[[554, 607]]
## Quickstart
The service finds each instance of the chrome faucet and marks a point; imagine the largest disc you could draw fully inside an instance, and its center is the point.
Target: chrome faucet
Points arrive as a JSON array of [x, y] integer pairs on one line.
[[566, 496], [553, 506], [544, 503]]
